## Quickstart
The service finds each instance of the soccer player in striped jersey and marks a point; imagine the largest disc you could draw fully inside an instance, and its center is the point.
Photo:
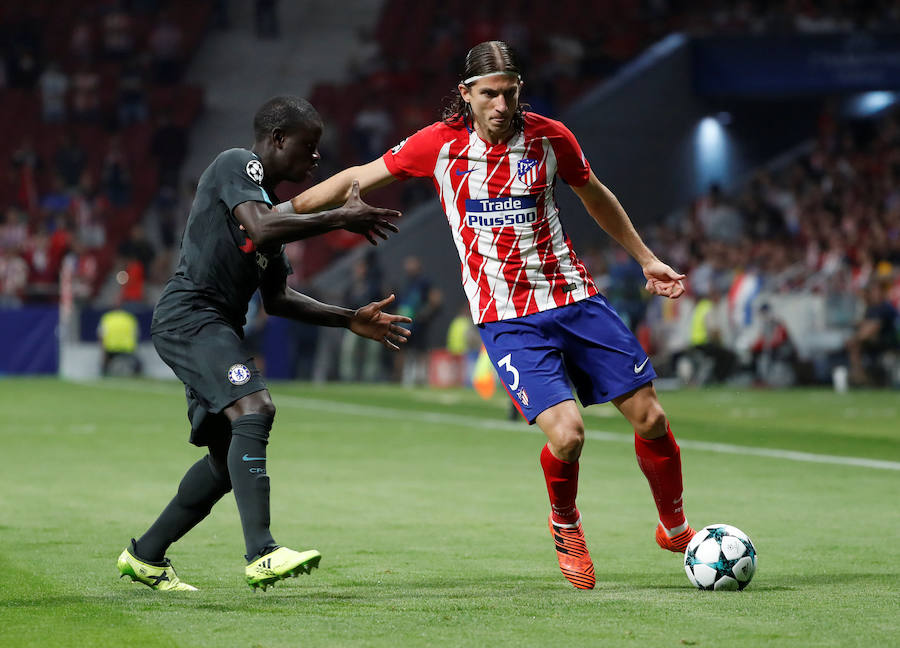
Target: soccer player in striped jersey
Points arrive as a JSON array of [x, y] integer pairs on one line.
[[495, 167]]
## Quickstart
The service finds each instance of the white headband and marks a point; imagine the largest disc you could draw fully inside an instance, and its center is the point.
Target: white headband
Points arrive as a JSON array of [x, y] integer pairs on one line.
[[478, 77]]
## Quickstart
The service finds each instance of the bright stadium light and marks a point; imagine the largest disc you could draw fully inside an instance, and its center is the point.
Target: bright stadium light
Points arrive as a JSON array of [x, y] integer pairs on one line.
[[871, 103], [711, 151]]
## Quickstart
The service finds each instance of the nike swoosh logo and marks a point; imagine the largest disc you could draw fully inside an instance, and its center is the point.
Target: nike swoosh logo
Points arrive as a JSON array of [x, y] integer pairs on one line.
[[246, 458], [639, 368], [460, 172]]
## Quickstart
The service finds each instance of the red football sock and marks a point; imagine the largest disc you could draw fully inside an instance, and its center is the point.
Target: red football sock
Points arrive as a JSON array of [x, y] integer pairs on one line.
[[660, 461], [562, 486]]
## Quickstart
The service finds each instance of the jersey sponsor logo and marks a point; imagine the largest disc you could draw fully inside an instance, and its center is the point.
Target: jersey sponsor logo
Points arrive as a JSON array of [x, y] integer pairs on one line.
[[238, 374], [527, 170], [501, 212], [399, 146], [254, 169], [462, 172]]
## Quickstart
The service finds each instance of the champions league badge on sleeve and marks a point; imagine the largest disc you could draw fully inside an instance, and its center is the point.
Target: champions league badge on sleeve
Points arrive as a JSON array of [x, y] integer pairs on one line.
[[238, 374], [399, 146], [527, 170], [255, 171]]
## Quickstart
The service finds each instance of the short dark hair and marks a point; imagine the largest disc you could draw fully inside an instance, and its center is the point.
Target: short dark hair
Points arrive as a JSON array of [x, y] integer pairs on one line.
[[488, 57], [287, 113]]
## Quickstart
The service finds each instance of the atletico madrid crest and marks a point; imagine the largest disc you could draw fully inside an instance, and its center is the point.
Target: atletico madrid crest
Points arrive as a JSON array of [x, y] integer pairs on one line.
[[523, 396], [527, 170]]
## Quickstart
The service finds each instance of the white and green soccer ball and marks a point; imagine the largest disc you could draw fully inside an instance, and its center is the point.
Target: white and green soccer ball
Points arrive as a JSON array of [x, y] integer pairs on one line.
[[720, 557]]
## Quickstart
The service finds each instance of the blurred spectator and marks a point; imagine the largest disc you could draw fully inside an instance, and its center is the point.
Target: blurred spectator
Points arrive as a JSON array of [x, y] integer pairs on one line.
[[54, 84], [712, 361], [255, 331], [719, 220], [116, 176], [26, 163], [371, 128], [90, 210], [876, 334], [131, 278], [118, 332], [23, 70], [361, 360], [57, 199], [165, 51], [462, 335], [626, 281], [81, 41], [168, 146], [86, 94], [421, 301], [13, 229], [70, 159], [137, 248], [774, 354], [365, 57], [13, 277], [42, 272], [118, 31], [83, 268], [132, 96]]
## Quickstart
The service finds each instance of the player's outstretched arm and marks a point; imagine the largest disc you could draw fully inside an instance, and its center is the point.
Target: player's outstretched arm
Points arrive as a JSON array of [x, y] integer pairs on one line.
[[609, 214], [337, 189], [372, 322], [267, 227], [369, 321]]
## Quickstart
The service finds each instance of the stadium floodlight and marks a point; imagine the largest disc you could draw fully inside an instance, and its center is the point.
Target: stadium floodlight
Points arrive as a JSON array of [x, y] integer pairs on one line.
[[869, 104]]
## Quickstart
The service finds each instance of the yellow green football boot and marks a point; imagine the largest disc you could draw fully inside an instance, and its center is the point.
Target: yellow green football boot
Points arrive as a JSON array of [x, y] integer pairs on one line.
[[280, 563], [158, 576]]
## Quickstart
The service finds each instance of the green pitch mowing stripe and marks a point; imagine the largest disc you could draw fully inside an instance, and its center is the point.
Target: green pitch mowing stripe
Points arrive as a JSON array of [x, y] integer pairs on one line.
[[433, 529], [391, 413]]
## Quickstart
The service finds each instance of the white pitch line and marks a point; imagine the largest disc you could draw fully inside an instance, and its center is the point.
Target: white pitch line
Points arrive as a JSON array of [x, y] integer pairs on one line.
[[378, 411]]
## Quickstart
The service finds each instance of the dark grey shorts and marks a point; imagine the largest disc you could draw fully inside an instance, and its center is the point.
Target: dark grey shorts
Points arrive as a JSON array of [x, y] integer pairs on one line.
[[216, 368]]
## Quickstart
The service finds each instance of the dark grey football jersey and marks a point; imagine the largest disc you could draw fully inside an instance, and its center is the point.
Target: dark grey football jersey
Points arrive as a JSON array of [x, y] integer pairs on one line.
[[219, 268]]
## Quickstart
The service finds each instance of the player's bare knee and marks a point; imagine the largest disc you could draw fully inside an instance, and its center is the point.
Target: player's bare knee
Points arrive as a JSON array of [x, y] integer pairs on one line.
[[651, 423], [569, 440]]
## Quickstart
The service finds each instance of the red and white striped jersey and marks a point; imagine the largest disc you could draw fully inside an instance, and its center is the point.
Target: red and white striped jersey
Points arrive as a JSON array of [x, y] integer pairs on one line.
[[499, 200]]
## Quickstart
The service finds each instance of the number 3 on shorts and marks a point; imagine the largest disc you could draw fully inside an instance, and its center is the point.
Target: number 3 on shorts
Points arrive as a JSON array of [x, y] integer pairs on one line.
[[506, 363]]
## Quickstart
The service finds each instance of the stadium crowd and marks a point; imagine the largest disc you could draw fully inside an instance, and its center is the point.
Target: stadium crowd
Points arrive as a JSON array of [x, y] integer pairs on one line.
[[91, 92], [95, 90], [826, 223]]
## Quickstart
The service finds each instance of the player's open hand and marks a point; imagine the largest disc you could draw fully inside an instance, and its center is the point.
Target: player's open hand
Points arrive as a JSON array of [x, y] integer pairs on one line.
[[663, 280], [361, 218], [371, 322]]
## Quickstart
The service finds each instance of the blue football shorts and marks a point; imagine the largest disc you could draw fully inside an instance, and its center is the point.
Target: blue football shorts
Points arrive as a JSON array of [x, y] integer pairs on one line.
[[540, 357]]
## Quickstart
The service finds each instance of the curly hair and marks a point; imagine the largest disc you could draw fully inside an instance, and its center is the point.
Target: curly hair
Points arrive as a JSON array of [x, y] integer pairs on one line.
[[488, 57]]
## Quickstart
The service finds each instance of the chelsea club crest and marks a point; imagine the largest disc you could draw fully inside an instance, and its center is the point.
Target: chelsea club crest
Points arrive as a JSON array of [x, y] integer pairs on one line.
[[238, 374]]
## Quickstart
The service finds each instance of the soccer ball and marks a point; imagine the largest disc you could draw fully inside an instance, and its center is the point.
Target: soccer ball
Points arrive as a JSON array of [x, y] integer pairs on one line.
[[720, 557]]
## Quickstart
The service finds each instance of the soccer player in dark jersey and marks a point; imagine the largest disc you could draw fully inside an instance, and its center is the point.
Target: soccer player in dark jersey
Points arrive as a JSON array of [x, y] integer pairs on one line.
[[543, 322], [233, 244]]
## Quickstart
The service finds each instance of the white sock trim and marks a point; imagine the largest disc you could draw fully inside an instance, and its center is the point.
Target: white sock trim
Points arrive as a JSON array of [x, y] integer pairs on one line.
[[681, 528], [566, 526]]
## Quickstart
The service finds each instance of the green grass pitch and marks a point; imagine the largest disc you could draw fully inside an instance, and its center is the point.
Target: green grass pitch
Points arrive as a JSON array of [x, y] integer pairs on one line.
[[430, 511]]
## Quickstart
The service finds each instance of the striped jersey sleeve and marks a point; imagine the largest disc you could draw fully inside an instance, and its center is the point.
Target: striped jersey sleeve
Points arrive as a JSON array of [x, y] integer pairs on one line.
[[515, 257]]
